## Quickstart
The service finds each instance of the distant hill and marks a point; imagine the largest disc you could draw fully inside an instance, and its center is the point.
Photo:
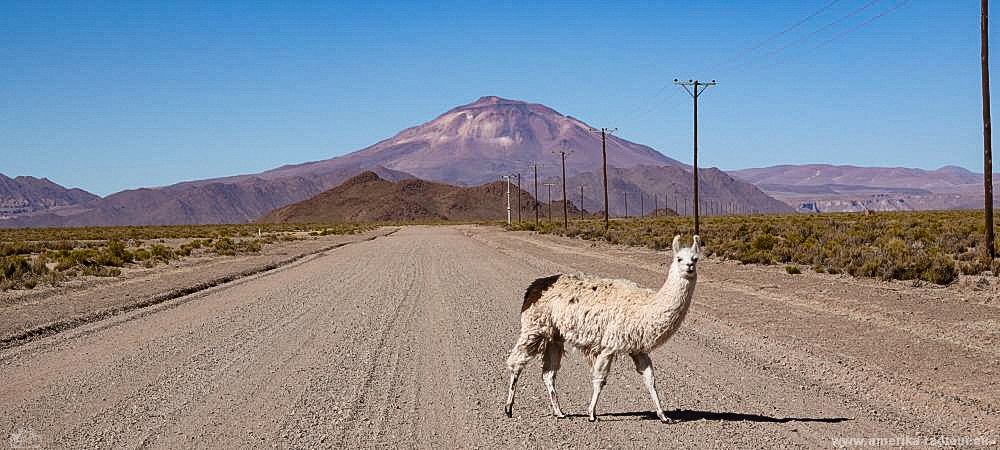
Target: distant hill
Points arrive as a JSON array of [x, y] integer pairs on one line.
[[22, 196], [945, 179], [238, 201], [844, 188], [369, 198]]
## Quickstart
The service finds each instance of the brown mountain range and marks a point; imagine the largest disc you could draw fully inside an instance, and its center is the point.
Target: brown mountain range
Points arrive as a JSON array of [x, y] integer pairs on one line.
[[467, 145], [369, 198], [831, 188], [21, 196]]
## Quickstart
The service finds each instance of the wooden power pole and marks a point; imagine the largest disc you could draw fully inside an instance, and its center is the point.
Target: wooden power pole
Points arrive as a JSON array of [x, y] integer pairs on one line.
[[519, 198], [604, 161], [581, 202], [565, 201], [549, 185], [987, 137], [695, 88], [535, 167]]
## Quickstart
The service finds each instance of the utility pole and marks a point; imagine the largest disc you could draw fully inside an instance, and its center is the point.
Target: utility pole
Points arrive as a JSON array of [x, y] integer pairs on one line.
[[519, 191], [656, 203], [565, 202], [549, 185], [625, 194], [987, 137], [695, 88], [507, 177], [535, 166], [581, 202], [604, 161], [642, 207]]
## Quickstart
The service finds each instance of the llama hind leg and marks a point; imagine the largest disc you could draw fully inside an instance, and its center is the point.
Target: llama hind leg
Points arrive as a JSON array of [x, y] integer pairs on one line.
[[528, 345], [644, 365], [599, 376], [509, 407], [550, 365]]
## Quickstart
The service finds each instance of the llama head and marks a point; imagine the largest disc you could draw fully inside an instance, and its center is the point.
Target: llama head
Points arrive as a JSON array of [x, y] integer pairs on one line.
[[686, 258]]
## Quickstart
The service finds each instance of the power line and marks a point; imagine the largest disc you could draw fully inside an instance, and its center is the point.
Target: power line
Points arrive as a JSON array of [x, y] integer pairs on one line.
[[863, 24], [649, 103], [849, 15], [779, 34]]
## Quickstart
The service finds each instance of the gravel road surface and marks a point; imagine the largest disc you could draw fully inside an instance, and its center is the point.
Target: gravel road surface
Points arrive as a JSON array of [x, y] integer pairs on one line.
[[400, 341]]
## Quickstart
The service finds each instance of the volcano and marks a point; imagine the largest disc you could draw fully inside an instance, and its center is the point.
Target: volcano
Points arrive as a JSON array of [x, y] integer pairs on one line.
[[468, 145]]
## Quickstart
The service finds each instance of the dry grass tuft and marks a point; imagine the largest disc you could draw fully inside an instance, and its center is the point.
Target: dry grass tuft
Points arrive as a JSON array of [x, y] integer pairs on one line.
[[929, 246]]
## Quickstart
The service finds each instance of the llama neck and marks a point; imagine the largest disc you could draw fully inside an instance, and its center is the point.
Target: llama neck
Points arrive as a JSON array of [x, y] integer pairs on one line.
[[663, 316]]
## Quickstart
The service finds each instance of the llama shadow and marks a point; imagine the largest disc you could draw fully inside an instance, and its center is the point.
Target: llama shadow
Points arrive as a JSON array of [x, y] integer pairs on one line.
[[687, 415]]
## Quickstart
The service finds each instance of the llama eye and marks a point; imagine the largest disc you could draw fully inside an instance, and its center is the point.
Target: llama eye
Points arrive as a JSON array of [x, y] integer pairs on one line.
[[678, 260]]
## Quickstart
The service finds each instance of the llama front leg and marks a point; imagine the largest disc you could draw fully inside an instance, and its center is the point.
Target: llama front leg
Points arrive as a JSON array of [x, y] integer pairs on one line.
[[550, 365], [599, 376], [644, 365]]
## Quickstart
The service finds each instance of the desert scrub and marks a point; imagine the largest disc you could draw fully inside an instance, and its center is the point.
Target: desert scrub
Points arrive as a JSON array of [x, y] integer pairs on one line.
[[53, 254], [928, 246], [15, 236], [229, 247]]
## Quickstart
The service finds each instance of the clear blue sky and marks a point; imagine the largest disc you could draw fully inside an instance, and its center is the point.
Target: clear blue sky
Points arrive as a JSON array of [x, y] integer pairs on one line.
[[108, 96]]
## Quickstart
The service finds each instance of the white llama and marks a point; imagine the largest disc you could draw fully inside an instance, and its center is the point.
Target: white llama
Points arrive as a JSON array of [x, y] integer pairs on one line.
[[602, 318]]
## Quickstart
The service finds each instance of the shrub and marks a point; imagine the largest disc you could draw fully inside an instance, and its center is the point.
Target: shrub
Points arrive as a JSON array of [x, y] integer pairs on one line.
[[792, 270], [161, 252], [941, 270], [20, 272], [891, 246], [225, 246], [114, 254]]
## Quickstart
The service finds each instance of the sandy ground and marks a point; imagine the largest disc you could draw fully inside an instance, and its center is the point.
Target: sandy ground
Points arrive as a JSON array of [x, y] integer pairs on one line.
[[400, 341]]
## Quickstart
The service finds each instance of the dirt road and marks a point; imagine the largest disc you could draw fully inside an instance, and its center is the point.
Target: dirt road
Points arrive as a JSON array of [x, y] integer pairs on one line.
[[401, 341]]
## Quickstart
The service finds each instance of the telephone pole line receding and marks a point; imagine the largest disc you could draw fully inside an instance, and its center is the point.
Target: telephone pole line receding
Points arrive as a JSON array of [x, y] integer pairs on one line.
[[694, 88], [987, 138], [604, 161]]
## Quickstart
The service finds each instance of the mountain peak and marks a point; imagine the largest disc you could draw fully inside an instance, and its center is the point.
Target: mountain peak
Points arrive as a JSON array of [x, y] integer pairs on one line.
[[489, 100], [367, 176]]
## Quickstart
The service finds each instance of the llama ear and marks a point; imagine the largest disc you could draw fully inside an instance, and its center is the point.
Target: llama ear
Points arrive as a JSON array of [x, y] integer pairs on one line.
[[677, 243], [697, 244]]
